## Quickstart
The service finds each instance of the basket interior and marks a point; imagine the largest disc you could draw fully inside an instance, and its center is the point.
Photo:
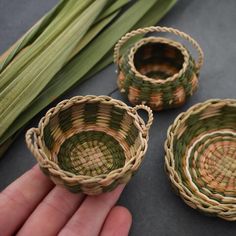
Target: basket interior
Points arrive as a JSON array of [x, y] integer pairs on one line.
[[205, 152], [158, 60], [91, 138]]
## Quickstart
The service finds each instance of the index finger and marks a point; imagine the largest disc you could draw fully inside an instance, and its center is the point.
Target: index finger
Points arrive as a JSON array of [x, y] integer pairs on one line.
[[20, 198]]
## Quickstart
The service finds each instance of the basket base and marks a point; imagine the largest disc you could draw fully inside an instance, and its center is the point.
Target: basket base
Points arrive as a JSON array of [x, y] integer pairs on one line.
[[91, 153], [214, 156]]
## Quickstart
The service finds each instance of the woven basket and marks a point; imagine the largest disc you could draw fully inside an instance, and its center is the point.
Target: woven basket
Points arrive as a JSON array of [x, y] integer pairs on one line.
[[155, 71], [201, 157], [90, 144]]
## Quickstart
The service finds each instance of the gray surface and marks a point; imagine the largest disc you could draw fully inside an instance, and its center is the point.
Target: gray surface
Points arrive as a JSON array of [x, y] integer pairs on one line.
[[156, 209]]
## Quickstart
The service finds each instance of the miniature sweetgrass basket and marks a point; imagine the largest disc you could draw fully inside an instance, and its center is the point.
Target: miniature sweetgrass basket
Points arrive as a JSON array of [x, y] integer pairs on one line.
[[156, 71], [90, 144], [201, 157]]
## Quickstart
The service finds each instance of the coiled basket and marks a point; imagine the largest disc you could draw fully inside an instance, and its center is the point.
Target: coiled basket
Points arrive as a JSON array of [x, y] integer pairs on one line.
[[201, 157], [156, 71], [90, 144]]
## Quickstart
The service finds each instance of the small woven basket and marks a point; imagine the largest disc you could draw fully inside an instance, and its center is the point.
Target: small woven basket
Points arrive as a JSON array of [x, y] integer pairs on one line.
[[155, 71], [90, 144], [201, 157]]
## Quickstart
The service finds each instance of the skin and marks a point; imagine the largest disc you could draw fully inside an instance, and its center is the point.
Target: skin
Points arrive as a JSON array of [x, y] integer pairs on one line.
[[33, 205]]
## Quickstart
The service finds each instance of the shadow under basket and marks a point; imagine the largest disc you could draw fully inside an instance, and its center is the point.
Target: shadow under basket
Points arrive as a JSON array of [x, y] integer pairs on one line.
[[156, 71], [201, 157], [90, 144]]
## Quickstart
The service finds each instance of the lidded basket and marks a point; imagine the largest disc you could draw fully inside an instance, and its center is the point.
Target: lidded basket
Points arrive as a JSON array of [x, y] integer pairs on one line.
[[90, 144], [156, 71], [201, 157]]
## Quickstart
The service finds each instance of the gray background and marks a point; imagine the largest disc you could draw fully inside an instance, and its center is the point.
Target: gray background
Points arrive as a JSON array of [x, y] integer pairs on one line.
[[155, 208]]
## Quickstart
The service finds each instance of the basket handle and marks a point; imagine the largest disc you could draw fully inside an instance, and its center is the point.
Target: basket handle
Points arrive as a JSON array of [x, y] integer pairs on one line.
[[133, 33], [150, 117], [30, 138]]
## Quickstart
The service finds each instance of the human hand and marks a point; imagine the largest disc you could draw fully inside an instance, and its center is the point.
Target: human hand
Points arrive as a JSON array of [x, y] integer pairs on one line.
[[33, 205]]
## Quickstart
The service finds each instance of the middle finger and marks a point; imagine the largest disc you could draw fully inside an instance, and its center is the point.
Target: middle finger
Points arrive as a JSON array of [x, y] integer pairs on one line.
[[89, 218]]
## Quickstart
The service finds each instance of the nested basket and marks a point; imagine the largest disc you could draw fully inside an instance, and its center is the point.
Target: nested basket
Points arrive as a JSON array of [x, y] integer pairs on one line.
[[90, 144], [156, 71], [201, 157]]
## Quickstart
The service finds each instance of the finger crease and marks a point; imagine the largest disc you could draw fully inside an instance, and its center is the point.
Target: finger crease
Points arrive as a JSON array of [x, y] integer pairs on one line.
[[55, 207], [17, 197]]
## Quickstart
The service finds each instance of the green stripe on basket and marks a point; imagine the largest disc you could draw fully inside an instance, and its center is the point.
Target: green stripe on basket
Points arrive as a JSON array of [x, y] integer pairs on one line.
[[187, 77], [193, 120], [91, 112], [116, 118], [231, 114], [48, 138], [167, 96], [125, 68], [132, 135], [65, 119], [145, 91], [128, 82], [74, 189], [110, 187]]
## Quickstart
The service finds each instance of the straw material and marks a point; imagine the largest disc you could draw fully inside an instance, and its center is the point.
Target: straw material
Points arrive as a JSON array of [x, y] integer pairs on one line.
[[156, 71], [90, 144], [201, 157]]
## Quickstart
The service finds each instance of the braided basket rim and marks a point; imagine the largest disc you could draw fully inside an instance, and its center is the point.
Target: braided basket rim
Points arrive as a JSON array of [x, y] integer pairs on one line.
[[221, 210], [167, 41], [54, 168]]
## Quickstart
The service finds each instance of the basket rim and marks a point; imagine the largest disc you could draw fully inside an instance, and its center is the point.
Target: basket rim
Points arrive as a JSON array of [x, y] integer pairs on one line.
[[222, 210], [170, 42], [43, 160]]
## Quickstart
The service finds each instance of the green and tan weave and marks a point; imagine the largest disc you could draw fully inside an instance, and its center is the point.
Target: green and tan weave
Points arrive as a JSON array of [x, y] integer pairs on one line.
[[90, 144], [201, 157], [156, 71]]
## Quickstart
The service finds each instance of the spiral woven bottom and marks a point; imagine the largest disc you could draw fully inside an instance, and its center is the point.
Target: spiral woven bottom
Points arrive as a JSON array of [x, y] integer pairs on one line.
[[91, 153], [211, 164]]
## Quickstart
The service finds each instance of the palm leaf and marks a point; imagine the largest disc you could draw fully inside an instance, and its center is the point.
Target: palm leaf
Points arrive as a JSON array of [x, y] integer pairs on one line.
[[31, 35], [154, 14], [15, 97]]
